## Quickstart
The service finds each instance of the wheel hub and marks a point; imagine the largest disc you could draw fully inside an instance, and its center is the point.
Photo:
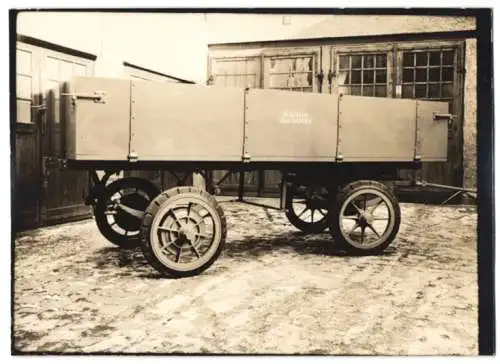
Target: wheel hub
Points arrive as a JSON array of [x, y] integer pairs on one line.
[[187, 234], [366, 219]]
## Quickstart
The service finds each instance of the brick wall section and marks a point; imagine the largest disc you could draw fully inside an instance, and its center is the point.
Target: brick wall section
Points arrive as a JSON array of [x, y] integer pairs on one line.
[[470, 116]]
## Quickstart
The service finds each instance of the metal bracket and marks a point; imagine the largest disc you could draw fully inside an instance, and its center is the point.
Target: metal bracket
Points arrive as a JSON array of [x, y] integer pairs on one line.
[[97, 96], [133, 157], [246, 158]]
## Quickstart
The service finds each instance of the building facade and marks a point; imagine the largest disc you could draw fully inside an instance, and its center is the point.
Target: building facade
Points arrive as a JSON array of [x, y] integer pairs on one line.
[[418, 57]]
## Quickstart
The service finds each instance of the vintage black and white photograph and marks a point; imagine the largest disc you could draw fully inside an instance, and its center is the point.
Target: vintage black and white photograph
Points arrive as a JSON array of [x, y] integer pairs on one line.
[[249, 182]]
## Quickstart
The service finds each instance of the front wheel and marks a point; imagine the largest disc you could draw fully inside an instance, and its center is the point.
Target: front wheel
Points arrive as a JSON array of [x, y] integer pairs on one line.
[[365, 217], [183, 232]]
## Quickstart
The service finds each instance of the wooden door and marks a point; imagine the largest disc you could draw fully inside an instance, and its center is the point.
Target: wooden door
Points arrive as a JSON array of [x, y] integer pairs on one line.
[[62, 189], [27, 179]]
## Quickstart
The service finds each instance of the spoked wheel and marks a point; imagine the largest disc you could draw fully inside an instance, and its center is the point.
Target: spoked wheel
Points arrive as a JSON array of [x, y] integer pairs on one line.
[[183, 232], [366, 216], [307, 208], [120, 209]]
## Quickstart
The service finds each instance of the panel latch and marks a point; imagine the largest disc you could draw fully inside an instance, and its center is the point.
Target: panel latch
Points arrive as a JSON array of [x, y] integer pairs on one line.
[[444, 117]]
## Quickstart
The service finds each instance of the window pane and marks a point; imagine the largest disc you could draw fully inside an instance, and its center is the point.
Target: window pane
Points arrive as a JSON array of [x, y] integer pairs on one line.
[[381, 91], [367, 90], [408, 91], [23, 86], [448, 90], [381, 76], [368, 76], [356, 61], [408, 59], [434, 58], [421, 58], [421, 75], [448, 57], [369, 61], [447, 73], [381, 61], [343, 62], [434, 74], [408, 75], [355, 90], [434, 91], [420, 91], [23, 111], [355, 77]]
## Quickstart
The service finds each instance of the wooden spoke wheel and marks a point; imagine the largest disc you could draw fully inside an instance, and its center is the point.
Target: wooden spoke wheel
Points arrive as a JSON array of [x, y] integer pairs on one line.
[[366, 216], [120, 209], [307, 208], [183, 232]]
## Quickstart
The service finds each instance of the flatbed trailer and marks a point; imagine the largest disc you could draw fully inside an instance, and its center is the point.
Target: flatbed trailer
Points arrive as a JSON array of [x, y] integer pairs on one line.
[[337, 155]]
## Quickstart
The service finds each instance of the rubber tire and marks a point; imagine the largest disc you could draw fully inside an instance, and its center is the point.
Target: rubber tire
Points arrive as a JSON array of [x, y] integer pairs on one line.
[[99, 210], [147, 222], [306, 227], [343, 194]]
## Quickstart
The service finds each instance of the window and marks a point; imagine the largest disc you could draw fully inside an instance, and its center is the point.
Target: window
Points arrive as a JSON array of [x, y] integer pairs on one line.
[[293, 73], [363, 74], [428, 74], [236, 72]]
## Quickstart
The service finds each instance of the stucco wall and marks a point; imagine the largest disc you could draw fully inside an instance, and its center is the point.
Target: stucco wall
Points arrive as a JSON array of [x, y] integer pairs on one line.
[[470, 115]]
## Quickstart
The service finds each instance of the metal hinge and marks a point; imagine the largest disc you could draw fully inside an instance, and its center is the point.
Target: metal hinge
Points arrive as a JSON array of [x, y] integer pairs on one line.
[[39, 108]]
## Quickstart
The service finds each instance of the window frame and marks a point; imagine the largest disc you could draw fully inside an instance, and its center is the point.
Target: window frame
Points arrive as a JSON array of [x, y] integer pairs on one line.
[[361, 49], [214, 60]]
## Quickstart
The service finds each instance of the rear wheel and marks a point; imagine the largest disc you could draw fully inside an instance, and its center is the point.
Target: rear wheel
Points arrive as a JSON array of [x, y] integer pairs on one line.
[[183, 232], [365, 217], [119, 210], [307, 208]]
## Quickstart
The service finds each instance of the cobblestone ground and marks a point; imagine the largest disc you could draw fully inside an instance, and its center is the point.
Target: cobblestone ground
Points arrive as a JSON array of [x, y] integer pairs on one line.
[[273, 290]]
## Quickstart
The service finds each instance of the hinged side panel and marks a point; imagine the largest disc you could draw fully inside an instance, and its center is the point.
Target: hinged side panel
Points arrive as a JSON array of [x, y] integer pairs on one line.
[[178, 122], [433, 131], [97, 128], [290, 126], [373, 129]]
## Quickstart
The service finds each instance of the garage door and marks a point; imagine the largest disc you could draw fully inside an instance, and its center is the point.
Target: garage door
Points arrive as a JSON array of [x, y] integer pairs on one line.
[[47, 193]]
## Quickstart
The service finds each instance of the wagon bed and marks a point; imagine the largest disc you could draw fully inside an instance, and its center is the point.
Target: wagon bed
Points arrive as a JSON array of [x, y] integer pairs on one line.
[[337, 155]]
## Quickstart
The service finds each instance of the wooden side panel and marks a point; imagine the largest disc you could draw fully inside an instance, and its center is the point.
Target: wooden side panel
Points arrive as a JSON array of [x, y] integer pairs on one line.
[[375, 129], [184, 122], [290, 126], [101, 129]]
